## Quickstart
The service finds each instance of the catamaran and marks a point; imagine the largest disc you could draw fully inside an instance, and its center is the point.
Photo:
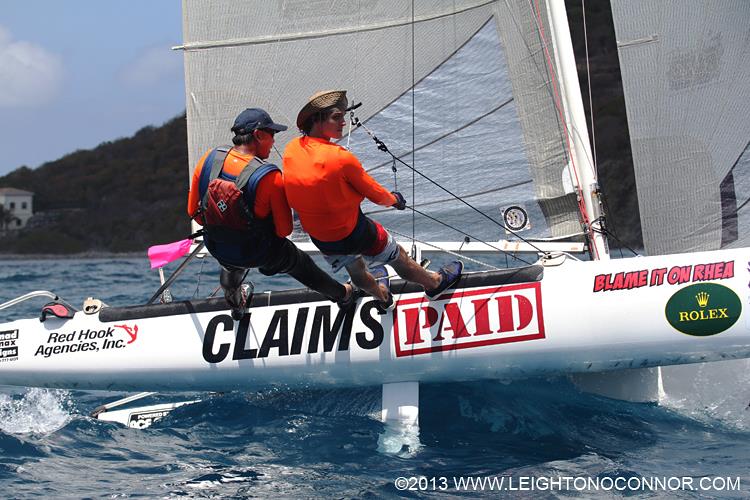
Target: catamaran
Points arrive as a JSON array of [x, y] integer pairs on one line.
[[477, 113]]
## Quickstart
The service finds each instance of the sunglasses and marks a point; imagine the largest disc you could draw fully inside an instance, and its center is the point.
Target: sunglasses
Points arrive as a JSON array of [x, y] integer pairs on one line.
[[269, 131]]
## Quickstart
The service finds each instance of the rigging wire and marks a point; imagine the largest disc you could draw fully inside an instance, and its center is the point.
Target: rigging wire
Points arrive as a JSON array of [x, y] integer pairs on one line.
[[445, 200], [611, 222], [198, 285], [383, 147], [588, 78], [441, 137], [414, 210], [450, 252], [603, 230], [413, 129]]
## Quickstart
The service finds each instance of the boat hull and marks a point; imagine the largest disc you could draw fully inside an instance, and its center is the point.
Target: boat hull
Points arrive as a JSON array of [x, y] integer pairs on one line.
[[575, 317]]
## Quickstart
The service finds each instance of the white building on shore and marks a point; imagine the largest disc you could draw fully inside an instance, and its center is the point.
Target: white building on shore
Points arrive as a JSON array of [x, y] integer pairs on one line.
[[19, 203]]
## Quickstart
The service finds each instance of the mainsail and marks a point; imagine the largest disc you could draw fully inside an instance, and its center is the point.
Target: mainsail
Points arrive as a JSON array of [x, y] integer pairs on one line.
[[484, 119], [686, 78]]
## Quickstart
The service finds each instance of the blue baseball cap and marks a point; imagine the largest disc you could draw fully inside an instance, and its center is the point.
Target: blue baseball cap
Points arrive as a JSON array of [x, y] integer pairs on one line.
[[254, 118]]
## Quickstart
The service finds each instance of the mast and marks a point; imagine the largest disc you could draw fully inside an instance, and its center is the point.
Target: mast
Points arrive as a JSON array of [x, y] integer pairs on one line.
[[575, 125]]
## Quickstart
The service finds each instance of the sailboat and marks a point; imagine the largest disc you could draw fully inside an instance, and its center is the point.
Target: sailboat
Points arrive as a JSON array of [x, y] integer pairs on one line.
[[478, 95]]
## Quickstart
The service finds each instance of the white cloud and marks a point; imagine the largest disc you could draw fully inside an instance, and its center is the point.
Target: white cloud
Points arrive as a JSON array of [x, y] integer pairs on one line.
[[29, 74], [153, 65]]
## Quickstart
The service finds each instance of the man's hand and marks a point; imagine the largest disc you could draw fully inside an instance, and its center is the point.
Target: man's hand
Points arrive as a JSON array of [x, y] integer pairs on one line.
[[400, 201]]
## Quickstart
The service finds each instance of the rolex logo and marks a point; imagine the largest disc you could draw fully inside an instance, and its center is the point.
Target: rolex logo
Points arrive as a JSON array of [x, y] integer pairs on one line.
[[689, 311], [702, 299]]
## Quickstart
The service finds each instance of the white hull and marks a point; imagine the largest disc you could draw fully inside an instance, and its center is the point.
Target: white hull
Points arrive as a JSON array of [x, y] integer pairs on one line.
[[513, 327]]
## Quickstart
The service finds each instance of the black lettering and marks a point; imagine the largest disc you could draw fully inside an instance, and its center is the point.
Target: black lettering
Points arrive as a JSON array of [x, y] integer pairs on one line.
[[299, 330], [239, 345], [279, 321], [210, 336], [373, 324], [346, 333], [322, 321]]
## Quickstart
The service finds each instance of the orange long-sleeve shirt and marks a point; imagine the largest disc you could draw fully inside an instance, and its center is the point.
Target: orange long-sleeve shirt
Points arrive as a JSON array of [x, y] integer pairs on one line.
[[325, 184], [270, 198]]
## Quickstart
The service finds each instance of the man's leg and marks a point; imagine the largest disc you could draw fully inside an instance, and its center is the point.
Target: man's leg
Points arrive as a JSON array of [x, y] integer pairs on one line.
[[410, 270], [291, 260], [236, 296], [364, 280]]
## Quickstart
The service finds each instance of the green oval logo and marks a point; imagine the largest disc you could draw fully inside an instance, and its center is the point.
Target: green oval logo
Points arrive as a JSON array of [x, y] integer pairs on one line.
[[703, 309]]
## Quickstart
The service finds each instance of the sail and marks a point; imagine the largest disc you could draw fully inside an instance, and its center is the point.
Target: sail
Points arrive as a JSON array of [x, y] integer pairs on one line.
[[483, 120], [686, 79]]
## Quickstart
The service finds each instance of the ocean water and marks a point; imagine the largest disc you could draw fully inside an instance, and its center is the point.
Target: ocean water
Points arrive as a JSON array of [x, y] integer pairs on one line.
[[329, 443]]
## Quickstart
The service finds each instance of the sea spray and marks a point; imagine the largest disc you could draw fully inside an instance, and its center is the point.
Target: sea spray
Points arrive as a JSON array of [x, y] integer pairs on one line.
[[37, 411]]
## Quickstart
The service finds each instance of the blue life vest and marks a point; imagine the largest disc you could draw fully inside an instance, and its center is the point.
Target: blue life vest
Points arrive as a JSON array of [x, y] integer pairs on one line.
[[233, 235]]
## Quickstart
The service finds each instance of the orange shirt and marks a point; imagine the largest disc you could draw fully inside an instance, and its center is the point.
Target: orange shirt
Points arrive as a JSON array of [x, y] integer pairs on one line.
[[269, 195], [325, 184]]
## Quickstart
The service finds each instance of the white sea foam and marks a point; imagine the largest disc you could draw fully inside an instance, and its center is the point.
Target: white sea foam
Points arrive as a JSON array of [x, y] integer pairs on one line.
[[710, 391], [37, 411]]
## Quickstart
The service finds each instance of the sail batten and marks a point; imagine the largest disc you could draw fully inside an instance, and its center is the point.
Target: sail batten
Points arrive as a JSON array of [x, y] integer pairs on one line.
[[284, 37]]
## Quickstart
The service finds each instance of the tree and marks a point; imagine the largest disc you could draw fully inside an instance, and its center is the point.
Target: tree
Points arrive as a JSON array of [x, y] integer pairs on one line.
[[6, 217]]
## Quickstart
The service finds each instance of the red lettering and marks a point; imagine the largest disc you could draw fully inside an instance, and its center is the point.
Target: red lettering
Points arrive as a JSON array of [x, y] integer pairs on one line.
[[709, 271], [698, 272], [719, 271], [642, 277], [631, 280], [685, 274], [599, 281], [505, 310], [411, 317], [679, 275], [525, 311], [430, 317], [481, 316], [728, 270], [455, 320], [619, 282]]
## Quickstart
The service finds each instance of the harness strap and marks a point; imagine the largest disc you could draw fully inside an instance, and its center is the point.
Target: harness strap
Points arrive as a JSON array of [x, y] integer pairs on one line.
[[251, 178], [208, 174]]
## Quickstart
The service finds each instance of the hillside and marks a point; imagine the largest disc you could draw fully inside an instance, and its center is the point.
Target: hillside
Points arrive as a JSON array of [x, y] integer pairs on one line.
[[121, 196]]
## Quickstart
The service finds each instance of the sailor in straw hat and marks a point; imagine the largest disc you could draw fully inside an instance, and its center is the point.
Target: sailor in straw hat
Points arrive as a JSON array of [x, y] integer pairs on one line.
[[325, 184]]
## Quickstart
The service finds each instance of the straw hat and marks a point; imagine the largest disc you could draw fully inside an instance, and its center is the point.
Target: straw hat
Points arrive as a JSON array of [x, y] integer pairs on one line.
[[322, 101]]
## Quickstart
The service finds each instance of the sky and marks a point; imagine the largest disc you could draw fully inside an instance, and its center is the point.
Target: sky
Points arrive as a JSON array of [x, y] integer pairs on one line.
[[76, 73]]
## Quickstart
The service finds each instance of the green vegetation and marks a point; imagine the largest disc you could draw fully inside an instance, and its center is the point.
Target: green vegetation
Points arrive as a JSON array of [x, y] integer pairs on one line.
[[122, 196]]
